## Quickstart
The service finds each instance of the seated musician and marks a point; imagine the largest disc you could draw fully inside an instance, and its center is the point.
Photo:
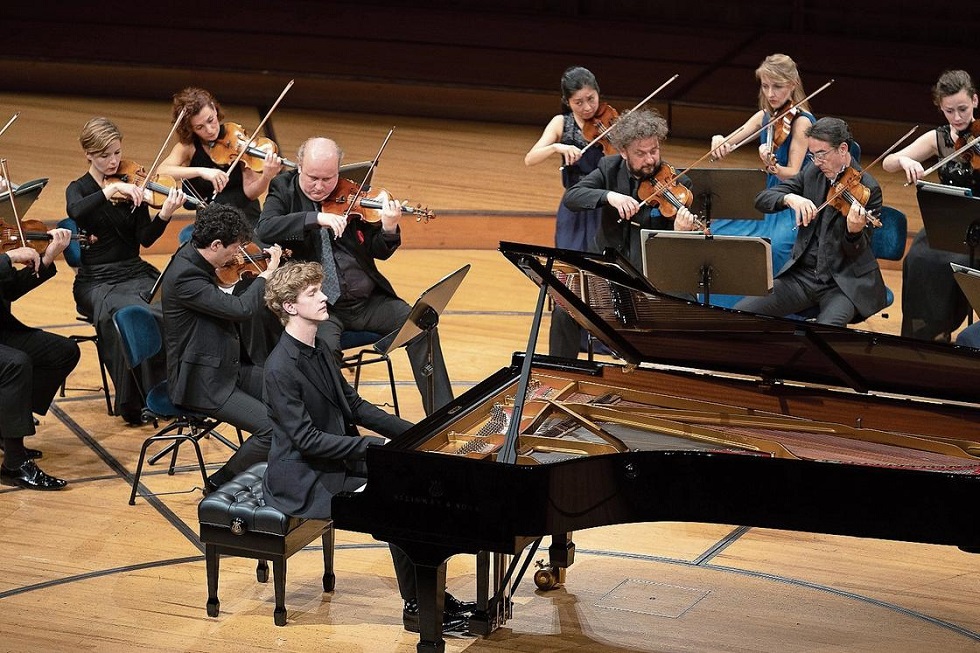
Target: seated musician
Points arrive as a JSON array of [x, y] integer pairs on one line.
[[112, 274], [360, 297], [316, 449], [832, 265], [614, 186], [33, 364], [208, 369]]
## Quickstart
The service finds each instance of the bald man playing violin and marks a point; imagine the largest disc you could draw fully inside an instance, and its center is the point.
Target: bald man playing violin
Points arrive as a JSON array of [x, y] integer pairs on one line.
[[33, 364], [360, 297], [832, 266]]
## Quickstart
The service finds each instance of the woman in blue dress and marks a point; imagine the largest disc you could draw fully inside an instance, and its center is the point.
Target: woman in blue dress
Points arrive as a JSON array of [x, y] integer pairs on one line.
[[564, 136], [782, 149]]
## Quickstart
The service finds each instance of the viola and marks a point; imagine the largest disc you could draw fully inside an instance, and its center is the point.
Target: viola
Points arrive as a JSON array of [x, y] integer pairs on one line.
[[849, 189], [972, 154], [595, 126], [369, 208], [233, 141], [155, 189], [662, 189], [36, 236], [248, 263]]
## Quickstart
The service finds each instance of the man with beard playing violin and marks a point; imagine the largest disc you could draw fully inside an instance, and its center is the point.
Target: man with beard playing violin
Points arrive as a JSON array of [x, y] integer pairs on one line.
[[360, 297], [615, 187], [832, 265]]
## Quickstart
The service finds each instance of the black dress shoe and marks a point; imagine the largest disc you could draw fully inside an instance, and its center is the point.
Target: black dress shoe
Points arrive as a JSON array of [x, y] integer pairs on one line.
[[451, 623], [30, 477], [454, 606]]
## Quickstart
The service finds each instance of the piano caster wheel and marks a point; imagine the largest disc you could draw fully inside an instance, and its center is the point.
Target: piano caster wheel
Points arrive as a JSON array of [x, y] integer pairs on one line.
[[546, 577]]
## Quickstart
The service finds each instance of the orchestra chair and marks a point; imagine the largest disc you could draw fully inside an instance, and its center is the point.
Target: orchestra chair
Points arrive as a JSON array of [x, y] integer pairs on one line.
[[73, 257], [141, 340], [185, 234], [363, 341], [235, 521]]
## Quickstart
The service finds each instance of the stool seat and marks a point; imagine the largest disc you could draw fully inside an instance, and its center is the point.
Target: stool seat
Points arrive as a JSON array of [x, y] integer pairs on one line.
[[234, 520]]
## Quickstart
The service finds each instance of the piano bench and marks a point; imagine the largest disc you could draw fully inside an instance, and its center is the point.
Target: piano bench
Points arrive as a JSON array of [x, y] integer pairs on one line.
[[235, 521]]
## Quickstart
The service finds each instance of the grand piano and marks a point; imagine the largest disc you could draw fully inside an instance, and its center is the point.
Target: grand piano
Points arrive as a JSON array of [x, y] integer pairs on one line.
[[712, 415]]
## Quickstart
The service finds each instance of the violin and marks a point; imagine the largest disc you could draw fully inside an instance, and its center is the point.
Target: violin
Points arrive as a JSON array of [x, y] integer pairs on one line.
[[36, 236], [155, 189], [595, 126], [849, 189], [370, 207], [234, 140], [662, 189], [972, 154], [248, 263]]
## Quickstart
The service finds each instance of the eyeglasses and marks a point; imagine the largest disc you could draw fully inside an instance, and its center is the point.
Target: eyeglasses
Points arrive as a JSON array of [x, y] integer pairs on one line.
[[821, 155]]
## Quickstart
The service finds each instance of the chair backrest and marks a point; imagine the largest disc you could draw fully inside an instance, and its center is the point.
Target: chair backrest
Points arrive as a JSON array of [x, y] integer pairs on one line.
[[185, 234], [72, 253], [139, 333], [888, 241]]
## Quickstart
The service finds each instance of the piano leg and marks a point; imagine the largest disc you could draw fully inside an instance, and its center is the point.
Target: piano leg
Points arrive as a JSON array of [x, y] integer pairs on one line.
[[430, 587]]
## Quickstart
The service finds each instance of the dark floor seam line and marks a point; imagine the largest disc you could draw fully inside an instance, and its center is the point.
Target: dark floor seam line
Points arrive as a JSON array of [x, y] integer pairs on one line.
[[116, 466], [98, 574], [721, 545]]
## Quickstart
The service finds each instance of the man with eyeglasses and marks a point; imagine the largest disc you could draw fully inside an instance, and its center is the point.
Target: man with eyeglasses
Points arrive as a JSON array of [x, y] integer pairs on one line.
[[832, 266]]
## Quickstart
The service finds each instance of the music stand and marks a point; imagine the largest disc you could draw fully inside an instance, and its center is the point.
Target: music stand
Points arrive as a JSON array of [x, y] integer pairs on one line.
[[969, 282], [727, 192], [24, 196], [423, 318], [690, 262], [950, 217]]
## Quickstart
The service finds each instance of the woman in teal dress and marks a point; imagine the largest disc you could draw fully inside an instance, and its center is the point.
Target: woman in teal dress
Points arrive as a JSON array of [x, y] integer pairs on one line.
[[782, 149]]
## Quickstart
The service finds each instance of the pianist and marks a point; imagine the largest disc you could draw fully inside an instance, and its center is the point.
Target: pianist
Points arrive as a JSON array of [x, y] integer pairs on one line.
[[316, 449]]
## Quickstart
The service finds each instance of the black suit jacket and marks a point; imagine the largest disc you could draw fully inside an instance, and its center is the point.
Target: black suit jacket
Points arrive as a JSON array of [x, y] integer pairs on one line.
[[14, 284], [315, 444], [204, 353], [852, 262], [289, 219]]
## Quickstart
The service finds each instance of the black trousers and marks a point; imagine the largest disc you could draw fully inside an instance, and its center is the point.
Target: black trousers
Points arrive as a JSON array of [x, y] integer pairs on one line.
[[33, 364]]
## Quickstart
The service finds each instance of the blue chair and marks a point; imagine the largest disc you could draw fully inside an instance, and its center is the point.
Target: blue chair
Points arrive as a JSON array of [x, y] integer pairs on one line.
[[141, 340], [363, 341], [73, 257], [185, 233]]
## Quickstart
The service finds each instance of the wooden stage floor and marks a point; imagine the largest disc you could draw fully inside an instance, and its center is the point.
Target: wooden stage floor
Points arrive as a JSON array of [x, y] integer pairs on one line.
[[86, 571]]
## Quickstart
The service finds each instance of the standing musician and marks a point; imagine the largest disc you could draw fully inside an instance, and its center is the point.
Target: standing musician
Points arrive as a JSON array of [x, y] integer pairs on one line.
[[782, 149], [565, 134], [201, 126], [316, 449], [208, 369], [112, 274], [832, 265], [933, 306], [33, 364], [360, 297]]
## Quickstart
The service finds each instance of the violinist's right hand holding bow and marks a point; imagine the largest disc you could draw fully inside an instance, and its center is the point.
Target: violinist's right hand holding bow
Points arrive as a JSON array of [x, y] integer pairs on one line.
[[335, 222], [569, 153], [912, 168], [719, 148], [625, 205], [804, 209]]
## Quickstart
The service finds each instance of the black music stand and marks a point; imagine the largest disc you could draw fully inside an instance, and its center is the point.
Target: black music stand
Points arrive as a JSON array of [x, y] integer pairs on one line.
[[969, 282], [423, 318], [726, 192], [24, 196], [690, 262], [951, 218]]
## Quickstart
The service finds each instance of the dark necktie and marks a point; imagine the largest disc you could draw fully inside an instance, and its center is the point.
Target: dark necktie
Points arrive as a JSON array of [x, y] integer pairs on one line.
[[331, 282]]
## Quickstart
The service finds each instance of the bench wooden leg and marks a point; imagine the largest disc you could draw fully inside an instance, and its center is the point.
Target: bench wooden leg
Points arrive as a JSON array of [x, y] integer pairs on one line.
[[212, 560], [279, 582], [262, 571]]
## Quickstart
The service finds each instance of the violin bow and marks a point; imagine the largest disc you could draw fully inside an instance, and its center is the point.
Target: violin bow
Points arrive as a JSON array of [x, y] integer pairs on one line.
[[9, 122], [608, 129], [947, 158], [774, 120], [156, 161], [13, 206], [242, 150], [367, 175], [837, 193]]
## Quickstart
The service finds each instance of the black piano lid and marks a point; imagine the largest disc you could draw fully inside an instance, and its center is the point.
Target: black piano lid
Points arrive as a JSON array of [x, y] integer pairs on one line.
[[644, 325]]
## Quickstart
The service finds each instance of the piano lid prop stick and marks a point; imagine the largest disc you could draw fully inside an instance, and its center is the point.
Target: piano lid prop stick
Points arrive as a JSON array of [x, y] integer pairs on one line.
[[508, 452]]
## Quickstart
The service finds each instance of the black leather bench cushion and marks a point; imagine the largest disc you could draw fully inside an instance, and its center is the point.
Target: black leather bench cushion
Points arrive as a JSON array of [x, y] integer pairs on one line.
[[241, 498]]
